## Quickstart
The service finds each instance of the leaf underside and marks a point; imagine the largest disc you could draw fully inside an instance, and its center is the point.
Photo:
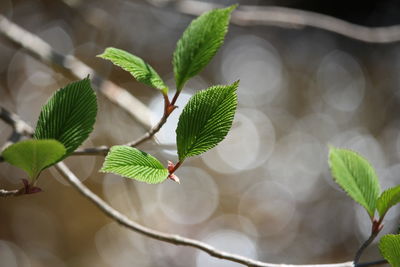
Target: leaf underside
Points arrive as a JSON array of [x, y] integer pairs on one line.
[[69, 115], [199, 43], [356, 177], [389, 246], [206, 120], [136, 66], [33, 156], [388, 199], [133, 163]]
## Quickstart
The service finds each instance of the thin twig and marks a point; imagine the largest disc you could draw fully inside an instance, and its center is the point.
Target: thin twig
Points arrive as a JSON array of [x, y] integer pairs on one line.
[[13, 120], [71, 66], [251, 15], [364, 246], [170, 238], [247, 15], [372, 263], [20, 128], [103, 150]]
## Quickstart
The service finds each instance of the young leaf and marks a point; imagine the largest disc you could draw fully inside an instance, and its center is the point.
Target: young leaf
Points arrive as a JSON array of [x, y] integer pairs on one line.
[[69, 115], [388, 199], [33, 156], [356, 177], [199, 43], [133, 163], [389, 246], [139, 69], [206, 120]]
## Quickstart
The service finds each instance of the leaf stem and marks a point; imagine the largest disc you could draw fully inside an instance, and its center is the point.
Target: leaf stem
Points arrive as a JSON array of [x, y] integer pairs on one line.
[[169, 107], [376, 228], [177, 165], [175, 97]]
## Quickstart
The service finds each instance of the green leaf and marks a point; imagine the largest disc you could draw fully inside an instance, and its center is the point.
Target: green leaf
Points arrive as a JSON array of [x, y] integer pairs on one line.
[[69, 115], [388, 199], [389, 245], [206, 120], [356, 177], [133, 163], [199, 43], [139, 69], [33, 156]]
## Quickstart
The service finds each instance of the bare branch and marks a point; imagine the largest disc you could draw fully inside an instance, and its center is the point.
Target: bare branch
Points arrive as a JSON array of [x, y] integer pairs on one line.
[[20, 128], [247, 15], [103, 150], [170, 238], [169, 107], [377, 226], [372, 263], [15, 122], [364, 246], [71, 66]]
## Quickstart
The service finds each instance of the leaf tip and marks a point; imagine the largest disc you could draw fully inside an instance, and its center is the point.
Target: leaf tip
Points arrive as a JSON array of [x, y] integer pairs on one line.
[[105, 53], [232, 7], [236, 84]]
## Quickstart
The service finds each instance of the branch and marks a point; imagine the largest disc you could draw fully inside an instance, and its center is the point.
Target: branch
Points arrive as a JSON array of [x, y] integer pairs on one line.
[[20, 128], [170, 238], [375, 229], [103, 150], [71, 66], [363, 247], [14, 120], [372, 263], [247, 15]]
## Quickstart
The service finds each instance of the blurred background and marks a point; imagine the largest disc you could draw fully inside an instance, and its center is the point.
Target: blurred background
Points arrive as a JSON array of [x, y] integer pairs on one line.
[[265, 192]]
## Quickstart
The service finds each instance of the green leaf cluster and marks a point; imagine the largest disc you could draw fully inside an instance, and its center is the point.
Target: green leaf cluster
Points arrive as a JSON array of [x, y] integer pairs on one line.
[[207, 117], [65, 121], [358, 179], [204, 122], [194, 50]]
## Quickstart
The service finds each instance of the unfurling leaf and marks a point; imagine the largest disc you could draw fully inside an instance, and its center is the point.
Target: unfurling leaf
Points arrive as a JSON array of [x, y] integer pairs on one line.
[[356, 177], [388, 199], [136, 66], [206, 120], [199, 43], [133, 163], [69, 115], [33, 156], [389, 246]]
